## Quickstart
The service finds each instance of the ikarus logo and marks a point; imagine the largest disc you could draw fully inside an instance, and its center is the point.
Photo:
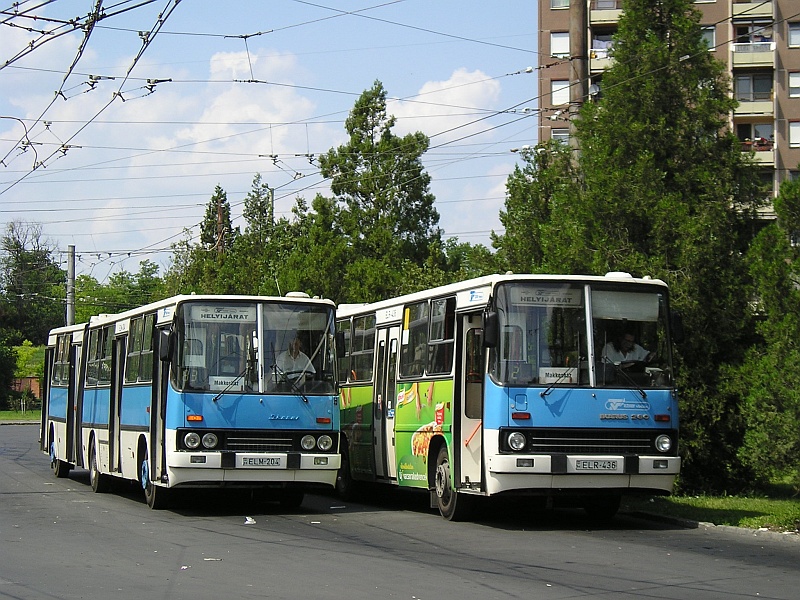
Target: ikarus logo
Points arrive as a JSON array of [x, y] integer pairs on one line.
[[620, 404]]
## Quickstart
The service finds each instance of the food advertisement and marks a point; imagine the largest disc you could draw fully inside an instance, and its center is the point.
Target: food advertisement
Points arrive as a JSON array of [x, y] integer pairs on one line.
[[423, 412]]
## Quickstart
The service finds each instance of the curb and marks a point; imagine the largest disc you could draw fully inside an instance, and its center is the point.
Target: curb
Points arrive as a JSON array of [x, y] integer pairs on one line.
[[790, 536]]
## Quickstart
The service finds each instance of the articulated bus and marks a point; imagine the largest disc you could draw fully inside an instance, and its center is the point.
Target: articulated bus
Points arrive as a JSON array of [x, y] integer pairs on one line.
[[192, 392], [513, 385]]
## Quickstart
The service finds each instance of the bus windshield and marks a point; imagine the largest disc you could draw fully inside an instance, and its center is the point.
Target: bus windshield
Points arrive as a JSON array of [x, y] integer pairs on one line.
[[545, 338], [228, 346]]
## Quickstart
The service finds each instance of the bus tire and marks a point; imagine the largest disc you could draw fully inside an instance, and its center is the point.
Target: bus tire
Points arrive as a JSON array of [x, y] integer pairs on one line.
[[98, 481], [157, 497], [452, 505], [602, 508], [60, 468], [344, 478]]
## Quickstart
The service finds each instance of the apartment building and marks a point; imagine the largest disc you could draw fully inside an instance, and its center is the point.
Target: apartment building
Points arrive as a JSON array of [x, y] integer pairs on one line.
[[759, 41]]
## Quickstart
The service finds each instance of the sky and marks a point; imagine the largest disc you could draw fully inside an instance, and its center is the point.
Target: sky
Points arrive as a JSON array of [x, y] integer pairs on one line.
[[114, 142]]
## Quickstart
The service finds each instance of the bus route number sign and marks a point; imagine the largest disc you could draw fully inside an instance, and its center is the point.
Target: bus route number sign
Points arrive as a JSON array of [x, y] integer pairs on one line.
[[261, 462]]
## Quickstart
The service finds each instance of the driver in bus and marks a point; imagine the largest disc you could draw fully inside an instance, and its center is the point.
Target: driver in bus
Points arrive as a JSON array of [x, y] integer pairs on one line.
[[293, 362], [625, 350]]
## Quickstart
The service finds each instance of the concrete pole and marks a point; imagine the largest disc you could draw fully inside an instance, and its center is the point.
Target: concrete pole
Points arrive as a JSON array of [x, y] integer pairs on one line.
[[579, 63], [70, 285]]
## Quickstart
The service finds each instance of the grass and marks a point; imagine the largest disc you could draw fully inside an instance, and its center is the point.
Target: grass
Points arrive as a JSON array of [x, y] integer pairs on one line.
[[17, 415], [779, 512]]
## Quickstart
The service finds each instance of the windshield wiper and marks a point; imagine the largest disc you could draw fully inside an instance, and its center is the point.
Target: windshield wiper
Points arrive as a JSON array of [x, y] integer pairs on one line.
[[550, 387], [631, 383], [233, 382], [292, 382]]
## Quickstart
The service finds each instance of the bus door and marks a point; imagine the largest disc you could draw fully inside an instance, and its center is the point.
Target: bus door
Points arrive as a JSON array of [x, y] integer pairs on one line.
[[118, 355], [77, 376], [390, 401], [470, 369], [384, 401], [72, 397], [158, 412], [379, 404]]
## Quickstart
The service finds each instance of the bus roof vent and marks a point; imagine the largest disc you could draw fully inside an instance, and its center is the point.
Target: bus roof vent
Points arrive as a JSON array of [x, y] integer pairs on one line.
[[619, 275], [297, 295]]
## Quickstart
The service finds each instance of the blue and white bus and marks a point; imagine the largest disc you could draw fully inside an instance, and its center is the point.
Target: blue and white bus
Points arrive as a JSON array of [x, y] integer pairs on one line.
[[192, 392], [555, 386]]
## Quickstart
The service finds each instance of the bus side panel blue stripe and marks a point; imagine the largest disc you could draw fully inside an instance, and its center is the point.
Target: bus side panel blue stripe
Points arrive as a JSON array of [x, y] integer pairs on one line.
[[57, 404], [136, 400]]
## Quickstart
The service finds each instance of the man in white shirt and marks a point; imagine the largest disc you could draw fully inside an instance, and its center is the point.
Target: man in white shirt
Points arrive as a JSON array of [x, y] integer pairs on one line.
[[293, 362], [625, 349]]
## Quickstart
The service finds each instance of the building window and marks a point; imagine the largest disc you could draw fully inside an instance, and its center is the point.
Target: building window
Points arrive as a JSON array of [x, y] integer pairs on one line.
[[709, 35], [754, 32], [559, 44], [560, 135], [559, 92], [756, 136], [753, 87], [794, 85], [794, 134], [794, 34], [559, 3]]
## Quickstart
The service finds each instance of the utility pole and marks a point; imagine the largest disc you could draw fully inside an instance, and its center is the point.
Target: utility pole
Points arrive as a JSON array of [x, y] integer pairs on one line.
[[579, 64], [70, 285]]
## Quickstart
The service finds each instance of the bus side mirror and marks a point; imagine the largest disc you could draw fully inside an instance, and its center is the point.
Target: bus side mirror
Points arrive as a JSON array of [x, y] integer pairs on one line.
[[166, 345], [490, 329], [676, 327]]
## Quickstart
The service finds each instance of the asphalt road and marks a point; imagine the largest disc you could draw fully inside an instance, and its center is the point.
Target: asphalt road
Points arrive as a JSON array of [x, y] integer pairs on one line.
[[59, 540]]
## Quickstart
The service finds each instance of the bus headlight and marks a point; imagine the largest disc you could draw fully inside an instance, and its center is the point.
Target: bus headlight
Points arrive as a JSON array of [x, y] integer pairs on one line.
[[192, 440], [308, 442], [210, 440], [663, 443], [516, 441], [324, 443]]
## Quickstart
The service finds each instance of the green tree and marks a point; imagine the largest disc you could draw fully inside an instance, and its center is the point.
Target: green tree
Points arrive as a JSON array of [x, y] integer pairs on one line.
[[661, 188], [32, 285], [546, 182], [768, 380], [123, 291], [388, 214], [216, 230]]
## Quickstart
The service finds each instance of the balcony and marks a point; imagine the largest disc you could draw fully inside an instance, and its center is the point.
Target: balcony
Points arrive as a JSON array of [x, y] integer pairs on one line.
[[763, 150], [754, 54], [599, 60], [748, 8], [605, 11]]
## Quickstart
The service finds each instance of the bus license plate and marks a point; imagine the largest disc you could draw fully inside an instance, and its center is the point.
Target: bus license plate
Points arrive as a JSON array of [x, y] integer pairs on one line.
[[261, 462], [595, 465]]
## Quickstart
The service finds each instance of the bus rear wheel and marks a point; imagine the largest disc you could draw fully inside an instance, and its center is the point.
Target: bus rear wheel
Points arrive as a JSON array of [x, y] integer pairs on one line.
[[453, 505], [98, 481], [61, 469]]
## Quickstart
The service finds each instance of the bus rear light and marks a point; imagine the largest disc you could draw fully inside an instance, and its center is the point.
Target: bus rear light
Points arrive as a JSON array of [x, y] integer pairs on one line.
[[661, 418], [324, 420], [521, 416], [194, 417]]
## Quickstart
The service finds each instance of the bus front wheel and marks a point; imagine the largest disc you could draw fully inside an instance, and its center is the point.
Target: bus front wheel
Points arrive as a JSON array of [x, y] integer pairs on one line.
[[156, 497], [453, 506]]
